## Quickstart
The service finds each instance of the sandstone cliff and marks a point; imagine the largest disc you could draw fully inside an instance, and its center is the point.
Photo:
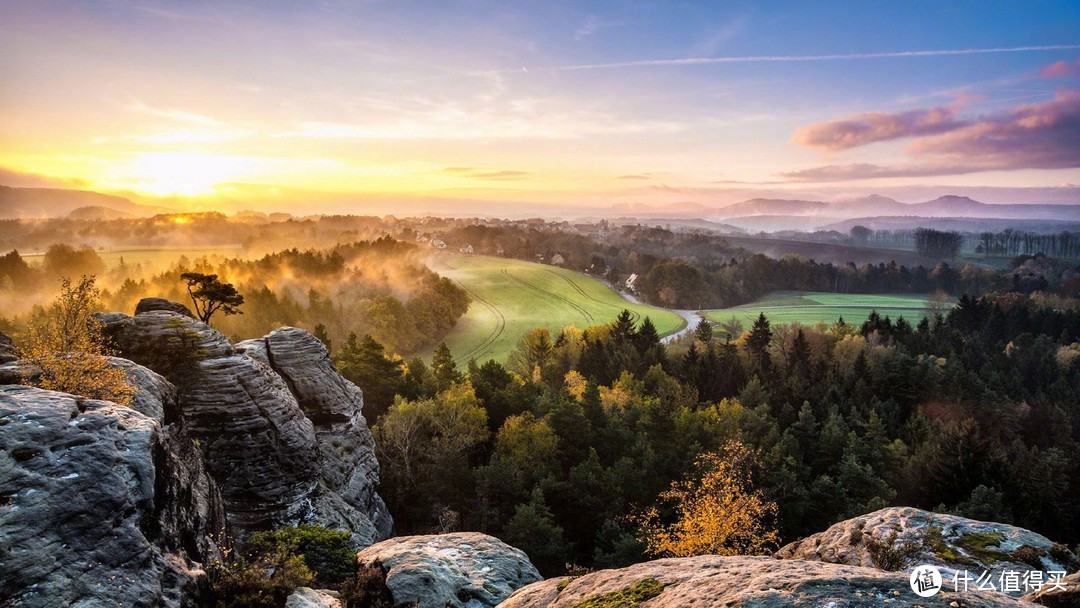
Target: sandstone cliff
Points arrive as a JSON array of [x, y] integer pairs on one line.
[[280, 430], [100, 501]]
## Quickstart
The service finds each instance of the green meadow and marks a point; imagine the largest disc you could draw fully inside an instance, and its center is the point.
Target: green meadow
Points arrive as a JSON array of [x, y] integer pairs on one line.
[[510, 297], [811, 308]]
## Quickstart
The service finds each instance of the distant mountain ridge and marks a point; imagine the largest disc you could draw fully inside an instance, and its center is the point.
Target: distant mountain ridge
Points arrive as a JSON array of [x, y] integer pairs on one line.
[[882, 206], [25, 203]]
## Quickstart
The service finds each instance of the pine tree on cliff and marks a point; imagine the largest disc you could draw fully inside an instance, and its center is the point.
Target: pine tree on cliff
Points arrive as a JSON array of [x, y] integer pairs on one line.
[[210, 295]]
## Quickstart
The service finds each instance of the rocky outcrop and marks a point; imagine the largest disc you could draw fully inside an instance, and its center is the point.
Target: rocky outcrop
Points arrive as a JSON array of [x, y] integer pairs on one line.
[[460, 570], [282, 435], [306, 597], [99, 503], [900, 537], [8, 351], [743, 582], [151, 304], [1066, 595]]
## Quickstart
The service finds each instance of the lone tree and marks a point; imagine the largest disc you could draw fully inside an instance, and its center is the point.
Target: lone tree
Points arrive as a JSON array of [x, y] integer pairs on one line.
[[716, 510], [211, 295], [64, 349]]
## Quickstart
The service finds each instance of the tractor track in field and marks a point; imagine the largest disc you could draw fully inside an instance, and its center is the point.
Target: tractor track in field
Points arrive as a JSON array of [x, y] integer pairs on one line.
[[634, 315], [584, 313], [496, 333]]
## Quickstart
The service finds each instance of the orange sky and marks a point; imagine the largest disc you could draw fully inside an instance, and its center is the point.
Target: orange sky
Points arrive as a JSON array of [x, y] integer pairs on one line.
[[549, 102]]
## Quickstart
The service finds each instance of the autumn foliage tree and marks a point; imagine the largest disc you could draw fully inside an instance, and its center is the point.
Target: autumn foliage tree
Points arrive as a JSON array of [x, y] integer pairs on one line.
[[64, 350], [716, 510], [209, 295]]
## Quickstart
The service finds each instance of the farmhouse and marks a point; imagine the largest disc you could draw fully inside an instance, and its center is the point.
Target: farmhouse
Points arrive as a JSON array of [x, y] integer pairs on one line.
[[557, 260], [438, 244], [630, 281]]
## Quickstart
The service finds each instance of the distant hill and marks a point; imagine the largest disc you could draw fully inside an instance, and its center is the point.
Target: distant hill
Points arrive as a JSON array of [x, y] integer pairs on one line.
[[959, 224], [783, 214], [97, 212], [54, 202]]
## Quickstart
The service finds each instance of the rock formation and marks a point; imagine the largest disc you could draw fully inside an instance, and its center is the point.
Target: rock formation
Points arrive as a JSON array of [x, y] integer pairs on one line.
[[1067, 595], [743, 582], [100, 501], [460, 570], [897, 538], [306, 597], [281, 432], [8, 352]]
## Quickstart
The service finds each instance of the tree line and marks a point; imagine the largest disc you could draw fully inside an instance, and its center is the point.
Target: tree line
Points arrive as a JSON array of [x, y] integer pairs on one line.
[[566, 448]]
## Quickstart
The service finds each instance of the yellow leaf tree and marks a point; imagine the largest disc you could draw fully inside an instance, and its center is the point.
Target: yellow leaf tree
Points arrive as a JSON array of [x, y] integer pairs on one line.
[[715, 510], [64, 350]]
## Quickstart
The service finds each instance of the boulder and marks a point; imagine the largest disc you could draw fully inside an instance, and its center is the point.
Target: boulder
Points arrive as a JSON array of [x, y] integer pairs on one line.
[[897, 538], [98, 501], [459, 570], [286, 445], [744, 582], [151, 304], [1066, 595], [306, 597]]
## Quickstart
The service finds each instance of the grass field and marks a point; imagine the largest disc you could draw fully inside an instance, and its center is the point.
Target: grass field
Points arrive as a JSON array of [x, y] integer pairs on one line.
[[156, 257], [810, 308], [511, 297]]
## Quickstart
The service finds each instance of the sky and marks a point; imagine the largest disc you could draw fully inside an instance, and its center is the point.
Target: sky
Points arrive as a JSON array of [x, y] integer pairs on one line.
[[312, 105]]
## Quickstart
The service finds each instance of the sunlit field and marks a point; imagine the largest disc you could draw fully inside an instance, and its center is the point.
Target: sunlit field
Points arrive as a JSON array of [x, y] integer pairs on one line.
[[511, 297], [810, 308]]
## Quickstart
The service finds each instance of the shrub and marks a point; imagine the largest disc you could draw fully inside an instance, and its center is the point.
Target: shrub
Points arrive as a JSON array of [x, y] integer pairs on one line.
[[325, 552], [367, 589]]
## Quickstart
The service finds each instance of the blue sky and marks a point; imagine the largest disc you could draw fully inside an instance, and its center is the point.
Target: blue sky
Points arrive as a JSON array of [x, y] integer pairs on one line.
[[495, 99]]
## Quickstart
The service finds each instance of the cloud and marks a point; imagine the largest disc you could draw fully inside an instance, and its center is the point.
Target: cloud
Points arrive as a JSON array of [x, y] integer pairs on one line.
[[1032, 136], [719, 37], [1061, 69], [177, 115], [591, 25], [474, 173], [875, 126], [633, 176], [689, 61]]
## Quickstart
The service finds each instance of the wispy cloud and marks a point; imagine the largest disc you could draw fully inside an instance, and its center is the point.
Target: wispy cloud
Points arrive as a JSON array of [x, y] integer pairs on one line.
[[172, 114], [1061, 69], [691, 61], [721, 36], [1033, 136], [485, 174], [634, 176], [873, 127], [591, 25]]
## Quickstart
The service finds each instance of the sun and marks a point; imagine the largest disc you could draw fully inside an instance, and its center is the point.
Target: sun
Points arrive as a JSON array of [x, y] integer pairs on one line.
[[178, 173]]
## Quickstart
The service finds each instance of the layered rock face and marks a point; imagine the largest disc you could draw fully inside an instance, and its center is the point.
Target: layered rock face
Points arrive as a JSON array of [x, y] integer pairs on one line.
[[460, 570], [743, 582], [898, 538], [100, 504], [281, 432]]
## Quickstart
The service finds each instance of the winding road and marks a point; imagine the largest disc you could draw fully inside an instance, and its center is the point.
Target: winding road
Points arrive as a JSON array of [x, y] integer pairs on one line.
[[692, 317]]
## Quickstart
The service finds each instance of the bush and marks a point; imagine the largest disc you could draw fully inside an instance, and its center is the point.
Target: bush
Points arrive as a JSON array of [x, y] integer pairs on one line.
[[274, 563], [265, 583], [367, 589], [325, 552]]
